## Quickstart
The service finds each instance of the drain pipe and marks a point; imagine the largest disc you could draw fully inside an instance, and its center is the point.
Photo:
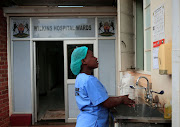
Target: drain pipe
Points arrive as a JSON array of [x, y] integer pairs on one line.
[[175, 63]]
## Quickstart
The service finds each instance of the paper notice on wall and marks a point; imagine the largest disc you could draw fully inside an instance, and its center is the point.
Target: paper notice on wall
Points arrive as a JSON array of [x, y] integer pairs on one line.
[[155, 58], [158, 33], [158, 24]]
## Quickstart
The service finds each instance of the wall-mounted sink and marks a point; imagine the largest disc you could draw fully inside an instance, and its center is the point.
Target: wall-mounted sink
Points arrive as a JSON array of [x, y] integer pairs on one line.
[[140, 110], [142, 114]]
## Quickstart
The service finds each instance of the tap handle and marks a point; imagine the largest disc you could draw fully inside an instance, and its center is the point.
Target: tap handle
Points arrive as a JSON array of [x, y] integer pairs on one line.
[[161, 92], [132, 87]]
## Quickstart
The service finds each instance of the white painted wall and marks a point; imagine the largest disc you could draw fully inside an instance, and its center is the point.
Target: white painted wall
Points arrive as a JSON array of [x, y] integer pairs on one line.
[[175, 63], [162, 82]]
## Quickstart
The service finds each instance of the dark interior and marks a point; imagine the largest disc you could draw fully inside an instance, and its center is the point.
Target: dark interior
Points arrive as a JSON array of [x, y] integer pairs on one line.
[[50, 78]]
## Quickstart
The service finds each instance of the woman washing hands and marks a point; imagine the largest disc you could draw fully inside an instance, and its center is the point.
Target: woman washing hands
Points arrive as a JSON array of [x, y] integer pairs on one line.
[[91, 97]]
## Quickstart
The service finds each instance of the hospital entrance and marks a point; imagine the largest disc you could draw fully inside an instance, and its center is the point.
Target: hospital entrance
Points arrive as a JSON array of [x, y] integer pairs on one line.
[[41, 63], [50, 80]]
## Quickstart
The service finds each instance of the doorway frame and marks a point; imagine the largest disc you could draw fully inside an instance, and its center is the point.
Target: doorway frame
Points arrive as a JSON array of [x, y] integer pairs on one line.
[[72, 81], [34, 54], [66, 81]]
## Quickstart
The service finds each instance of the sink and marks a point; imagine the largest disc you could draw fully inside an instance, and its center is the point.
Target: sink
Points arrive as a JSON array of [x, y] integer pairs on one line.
[[140, 110], [141, 113]]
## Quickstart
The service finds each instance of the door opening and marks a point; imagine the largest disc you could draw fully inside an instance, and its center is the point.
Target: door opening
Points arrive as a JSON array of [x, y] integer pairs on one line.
[[50, 80]]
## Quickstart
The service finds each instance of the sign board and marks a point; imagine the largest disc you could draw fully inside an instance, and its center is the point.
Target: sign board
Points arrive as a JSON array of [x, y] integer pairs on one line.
[[63, 28]]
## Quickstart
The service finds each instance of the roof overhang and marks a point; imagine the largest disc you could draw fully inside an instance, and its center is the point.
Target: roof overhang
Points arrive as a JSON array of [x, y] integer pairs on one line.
[[56, 11], [10, 3]]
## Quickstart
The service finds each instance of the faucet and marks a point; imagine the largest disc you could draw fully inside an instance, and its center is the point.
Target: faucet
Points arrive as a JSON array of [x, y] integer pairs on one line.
[[137, 81], [148, 96]]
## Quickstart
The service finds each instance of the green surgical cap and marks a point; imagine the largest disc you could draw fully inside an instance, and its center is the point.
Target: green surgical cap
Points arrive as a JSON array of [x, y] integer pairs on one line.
[[77, 55]]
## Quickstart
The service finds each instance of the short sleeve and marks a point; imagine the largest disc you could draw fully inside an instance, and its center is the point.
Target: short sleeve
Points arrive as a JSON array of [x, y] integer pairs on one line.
[[96, 91]]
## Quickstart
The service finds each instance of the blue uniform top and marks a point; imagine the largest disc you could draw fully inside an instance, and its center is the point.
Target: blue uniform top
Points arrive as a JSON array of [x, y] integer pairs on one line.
[[90, 93]]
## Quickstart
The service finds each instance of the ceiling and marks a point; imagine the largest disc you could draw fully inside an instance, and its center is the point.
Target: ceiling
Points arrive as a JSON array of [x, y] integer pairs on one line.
[[9, 3]]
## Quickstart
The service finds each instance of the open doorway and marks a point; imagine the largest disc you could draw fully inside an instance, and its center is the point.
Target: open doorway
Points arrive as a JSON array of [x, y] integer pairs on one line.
[[50, 80]]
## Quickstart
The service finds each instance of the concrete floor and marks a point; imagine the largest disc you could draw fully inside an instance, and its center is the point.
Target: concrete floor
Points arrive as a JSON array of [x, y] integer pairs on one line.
[[69, 125], [53, 101], [63, 125], [51, 123], [58, 123]]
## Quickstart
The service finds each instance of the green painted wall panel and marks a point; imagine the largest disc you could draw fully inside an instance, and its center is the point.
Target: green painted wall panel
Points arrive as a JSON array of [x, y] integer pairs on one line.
[[139, 35]]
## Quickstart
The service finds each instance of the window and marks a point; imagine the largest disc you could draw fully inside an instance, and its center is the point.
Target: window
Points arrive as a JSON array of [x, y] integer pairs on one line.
[[70, 49], [143, 35], [147, 35]]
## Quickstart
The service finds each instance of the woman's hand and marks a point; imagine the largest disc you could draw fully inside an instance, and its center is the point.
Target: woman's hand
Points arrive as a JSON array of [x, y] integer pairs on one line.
[[115, 101], [128, 101]]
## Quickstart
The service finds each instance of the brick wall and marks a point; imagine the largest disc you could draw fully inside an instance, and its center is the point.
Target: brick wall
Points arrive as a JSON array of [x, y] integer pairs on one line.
[[4, 101]]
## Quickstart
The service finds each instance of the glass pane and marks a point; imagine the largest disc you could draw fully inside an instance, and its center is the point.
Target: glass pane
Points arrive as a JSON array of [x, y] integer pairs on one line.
[[22, 95], [107, 65], [139, 35], [63, 28], [140, 56], [148, 38], [147, 2], [70, 49], [147, 17], [148, 61], [73, 109]]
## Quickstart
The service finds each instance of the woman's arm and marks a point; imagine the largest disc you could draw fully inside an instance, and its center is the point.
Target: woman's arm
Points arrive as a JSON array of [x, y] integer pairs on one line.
[[114, 101]]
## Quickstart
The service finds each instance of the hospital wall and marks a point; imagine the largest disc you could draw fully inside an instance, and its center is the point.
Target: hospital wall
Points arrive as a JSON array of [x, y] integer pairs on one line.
[[4, 101], [160, 82]]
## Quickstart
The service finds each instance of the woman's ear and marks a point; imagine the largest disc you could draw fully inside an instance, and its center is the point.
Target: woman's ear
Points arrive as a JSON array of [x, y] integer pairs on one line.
[[83, 61]]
